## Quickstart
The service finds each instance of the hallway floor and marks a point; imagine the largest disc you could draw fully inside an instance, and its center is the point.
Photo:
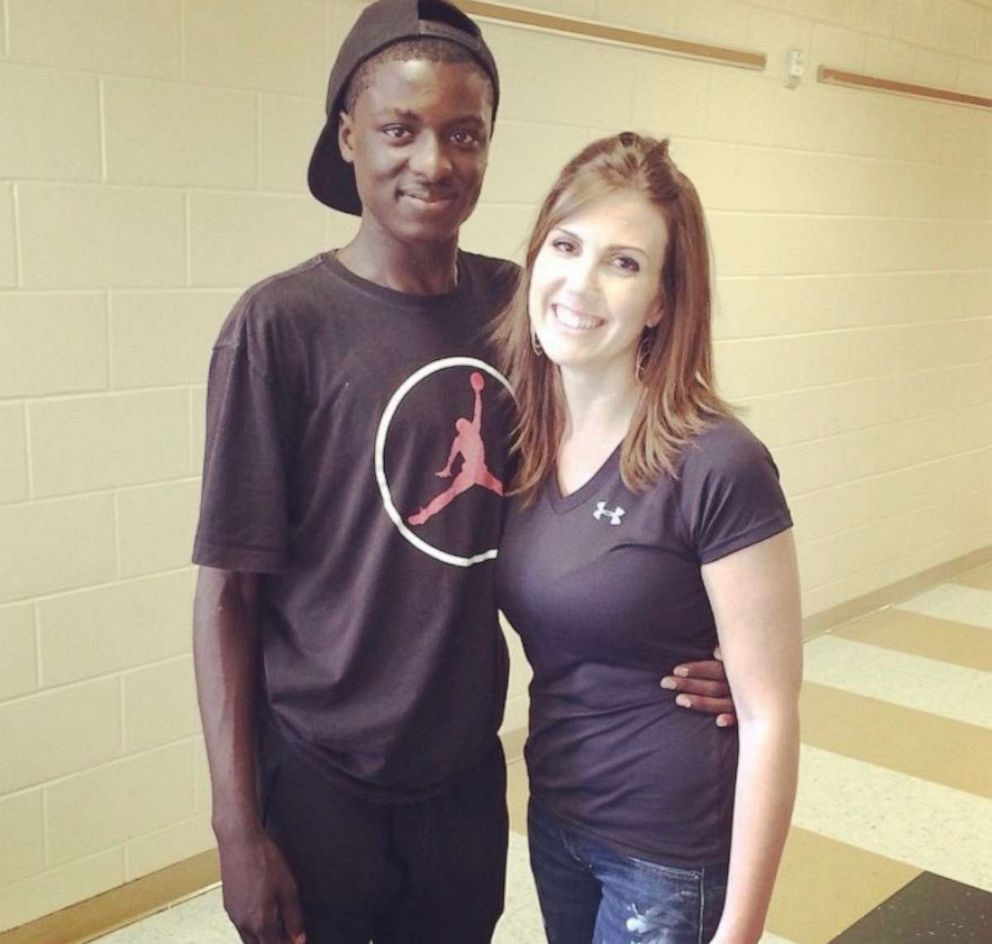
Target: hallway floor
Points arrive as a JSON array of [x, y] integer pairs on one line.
[[892, 835]]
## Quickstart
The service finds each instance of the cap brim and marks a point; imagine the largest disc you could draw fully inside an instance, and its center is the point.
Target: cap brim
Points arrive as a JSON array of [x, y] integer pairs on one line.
[[330, 177]]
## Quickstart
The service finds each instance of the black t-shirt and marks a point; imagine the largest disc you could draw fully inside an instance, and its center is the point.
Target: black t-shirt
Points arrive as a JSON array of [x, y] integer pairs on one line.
[[355, 457], [604, 587]]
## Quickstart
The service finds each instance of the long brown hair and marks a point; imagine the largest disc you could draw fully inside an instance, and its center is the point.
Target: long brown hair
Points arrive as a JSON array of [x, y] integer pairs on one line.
[[675, 363]]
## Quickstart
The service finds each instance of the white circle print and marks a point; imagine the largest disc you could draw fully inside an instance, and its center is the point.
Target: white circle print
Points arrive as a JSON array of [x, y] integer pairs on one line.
[[380, 446]]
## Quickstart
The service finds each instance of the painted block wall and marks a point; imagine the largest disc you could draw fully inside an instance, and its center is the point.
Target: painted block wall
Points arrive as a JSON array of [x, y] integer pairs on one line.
[[152, 161]]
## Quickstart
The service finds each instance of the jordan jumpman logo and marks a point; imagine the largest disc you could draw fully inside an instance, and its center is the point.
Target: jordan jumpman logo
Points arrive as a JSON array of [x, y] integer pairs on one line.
[[469, 445]]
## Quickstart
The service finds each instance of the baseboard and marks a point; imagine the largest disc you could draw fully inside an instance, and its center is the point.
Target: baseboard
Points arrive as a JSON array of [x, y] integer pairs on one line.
[[849, 610], [121, 906]]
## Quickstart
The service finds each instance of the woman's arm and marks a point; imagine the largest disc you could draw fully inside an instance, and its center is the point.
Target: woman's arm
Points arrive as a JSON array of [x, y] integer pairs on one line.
[[754, 594]]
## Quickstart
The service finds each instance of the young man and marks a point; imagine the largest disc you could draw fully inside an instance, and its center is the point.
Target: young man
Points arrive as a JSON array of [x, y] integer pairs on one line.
[[350, 667]]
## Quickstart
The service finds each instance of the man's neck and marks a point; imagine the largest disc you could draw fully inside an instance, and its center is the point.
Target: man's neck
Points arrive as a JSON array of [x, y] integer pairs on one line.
[[413, 268]]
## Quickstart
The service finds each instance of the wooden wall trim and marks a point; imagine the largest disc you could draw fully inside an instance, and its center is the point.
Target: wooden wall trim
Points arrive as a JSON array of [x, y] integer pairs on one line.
[[589, 30], [893, 593], [829, 76], [121, 906]]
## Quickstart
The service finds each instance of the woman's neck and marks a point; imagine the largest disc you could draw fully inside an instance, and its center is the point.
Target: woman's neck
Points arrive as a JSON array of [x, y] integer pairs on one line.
[[599, 407], [597, 418]]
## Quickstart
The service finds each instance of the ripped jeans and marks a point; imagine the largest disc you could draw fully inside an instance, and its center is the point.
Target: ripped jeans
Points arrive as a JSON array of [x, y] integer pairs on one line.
[[592, 894]]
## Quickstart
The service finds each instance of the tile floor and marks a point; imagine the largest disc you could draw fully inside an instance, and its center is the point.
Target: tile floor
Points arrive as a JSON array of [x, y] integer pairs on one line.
[[892, 835]]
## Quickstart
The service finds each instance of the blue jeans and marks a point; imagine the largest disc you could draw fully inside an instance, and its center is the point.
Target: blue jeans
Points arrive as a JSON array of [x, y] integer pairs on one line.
[[592, 894]]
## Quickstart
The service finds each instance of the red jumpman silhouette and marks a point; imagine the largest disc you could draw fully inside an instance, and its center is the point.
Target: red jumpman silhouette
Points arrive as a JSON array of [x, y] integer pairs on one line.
[[468, 443]]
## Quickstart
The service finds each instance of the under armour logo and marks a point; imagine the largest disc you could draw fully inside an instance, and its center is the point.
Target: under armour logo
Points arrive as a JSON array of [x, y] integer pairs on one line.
[[614, 514]]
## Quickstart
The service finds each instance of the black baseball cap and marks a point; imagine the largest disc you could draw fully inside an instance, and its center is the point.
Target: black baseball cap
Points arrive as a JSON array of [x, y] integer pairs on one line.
[[381, 24]]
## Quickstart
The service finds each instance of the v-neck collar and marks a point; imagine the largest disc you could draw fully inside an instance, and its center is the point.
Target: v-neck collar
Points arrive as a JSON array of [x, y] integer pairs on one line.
[[564, 503]]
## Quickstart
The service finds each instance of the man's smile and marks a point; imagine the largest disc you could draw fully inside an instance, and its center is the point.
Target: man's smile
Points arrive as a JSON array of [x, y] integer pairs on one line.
[[430, 198]]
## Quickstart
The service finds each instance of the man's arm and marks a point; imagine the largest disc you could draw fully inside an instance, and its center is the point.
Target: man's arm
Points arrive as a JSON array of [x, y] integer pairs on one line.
[[703, 686], [260, 894]]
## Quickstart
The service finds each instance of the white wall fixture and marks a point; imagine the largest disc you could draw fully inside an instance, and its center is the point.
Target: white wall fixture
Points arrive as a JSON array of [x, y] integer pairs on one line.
[[794, 65]]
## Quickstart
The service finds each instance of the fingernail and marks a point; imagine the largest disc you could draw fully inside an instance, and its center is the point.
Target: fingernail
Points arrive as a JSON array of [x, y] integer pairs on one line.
[[721, 722], [681, 671], [684, 701], [668, 682]]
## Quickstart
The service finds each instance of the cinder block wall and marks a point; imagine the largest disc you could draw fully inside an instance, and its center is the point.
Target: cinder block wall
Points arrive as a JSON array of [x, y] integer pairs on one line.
[[152, 157]]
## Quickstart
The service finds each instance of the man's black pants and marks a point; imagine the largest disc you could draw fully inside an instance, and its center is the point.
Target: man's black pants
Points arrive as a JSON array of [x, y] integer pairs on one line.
[[428, 871]]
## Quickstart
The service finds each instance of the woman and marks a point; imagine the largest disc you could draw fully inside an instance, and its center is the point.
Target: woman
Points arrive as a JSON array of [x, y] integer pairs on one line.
[[647, 525]]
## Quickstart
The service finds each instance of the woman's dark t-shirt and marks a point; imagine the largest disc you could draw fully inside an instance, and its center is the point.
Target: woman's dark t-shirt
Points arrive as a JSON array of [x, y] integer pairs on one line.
[[605, 589]]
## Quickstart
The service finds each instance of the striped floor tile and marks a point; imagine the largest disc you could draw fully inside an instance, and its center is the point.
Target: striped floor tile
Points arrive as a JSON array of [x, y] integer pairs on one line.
[[912, 742], [920, 635], [824, 886], [953, 602], [904, 818], [950, 691], [930, 908]]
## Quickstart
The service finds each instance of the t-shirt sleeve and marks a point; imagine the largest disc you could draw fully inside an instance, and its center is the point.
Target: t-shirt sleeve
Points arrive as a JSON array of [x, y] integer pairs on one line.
[[244, 520], [730, 496]]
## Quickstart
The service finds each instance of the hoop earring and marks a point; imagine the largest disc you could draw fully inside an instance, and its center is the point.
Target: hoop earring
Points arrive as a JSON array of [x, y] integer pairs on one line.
[[644, 348], [535, 344]]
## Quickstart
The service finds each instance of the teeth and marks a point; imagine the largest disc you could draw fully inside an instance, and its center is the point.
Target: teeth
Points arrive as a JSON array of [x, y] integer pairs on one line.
[[572, 319], [429, 197]]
